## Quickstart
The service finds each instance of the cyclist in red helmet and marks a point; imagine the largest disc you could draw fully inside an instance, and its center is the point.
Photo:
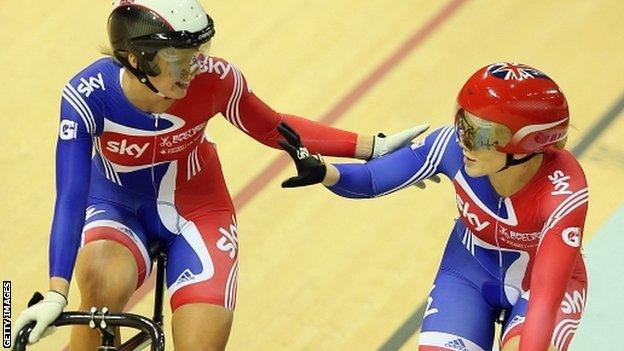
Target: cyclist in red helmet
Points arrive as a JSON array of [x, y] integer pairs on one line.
[[135, 166], [514, 252]]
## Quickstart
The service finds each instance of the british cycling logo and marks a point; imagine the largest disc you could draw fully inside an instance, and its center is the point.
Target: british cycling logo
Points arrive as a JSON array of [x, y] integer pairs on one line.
[[68, 129], [170, 140], [572, 236], [507, 233], [87, 87]]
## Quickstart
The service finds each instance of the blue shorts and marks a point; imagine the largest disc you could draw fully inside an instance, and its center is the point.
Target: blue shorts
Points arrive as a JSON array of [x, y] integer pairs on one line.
[[198, 231], [467, 298]]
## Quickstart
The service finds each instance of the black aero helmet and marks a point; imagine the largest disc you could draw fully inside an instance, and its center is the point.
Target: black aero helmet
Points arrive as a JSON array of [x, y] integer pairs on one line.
[[142, 27]]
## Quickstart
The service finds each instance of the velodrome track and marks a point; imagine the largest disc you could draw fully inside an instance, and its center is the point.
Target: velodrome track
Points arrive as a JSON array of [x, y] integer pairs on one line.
[[320, 272]]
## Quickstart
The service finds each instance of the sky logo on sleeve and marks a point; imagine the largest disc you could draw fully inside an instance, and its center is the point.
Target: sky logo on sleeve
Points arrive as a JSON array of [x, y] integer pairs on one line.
[[88, 86]]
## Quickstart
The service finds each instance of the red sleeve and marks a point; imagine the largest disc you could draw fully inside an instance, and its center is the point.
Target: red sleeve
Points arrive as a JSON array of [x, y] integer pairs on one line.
[[247, 112], [555, 261]]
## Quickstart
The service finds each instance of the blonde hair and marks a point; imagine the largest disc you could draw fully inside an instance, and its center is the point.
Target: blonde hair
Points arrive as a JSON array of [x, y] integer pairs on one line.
[[560, 145], [106, 50]]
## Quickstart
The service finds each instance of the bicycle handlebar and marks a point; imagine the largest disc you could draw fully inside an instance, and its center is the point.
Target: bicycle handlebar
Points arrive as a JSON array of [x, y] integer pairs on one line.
[[146, 325]]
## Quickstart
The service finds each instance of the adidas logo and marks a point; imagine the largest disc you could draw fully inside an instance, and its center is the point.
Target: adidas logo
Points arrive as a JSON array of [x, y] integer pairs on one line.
[[186, 276], [457, 344], [515, 321]]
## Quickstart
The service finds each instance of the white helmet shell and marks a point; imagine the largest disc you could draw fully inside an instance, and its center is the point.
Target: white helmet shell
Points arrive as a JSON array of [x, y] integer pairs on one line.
[[181, 15]]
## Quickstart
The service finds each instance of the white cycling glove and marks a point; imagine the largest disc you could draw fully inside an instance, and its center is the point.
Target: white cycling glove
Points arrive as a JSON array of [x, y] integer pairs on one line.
[[386, 144], [44, 312]]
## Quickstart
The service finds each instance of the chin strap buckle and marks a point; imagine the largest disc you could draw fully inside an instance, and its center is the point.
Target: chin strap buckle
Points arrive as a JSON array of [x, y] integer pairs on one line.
[[513, 162]]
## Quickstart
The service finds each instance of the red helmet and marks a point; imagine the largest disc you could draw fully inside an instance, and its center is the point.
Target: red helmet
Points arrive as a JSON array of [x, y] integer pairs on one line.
[[519, 109]]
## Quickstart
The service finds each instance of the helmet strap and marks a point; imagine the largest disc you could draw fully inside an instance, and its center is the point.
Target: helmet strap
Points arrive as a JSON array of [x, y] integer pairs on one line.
[[142, 76], [511, 161]]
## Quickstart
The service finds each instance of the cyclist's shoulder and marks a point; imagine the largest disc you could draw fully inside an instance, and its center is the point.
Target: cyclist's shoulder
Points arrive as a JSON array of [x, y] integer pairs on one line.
[[562, 167], [95, 78], [217, 71], [561, 182], [439, 139], [90, 92], [442, 149]]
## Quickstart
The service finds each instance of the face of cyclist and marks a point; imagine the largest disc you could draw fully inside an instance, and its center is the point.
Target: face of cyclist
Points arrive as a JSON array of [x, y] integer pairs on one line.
[[478, 140], [178, 68], [482, 162]]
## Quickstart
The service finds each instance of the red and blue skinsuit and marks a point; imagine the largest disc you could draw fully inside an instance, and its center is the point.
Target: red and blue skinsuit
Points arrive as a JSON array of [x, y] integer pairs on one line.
[[520, 255], [155, 176]]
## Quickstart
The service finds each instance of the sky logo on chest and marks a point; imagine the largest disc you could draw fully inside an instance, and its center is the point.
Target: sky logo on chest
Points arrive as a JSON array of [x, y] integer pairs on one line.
[[131, 137], [479, 204]]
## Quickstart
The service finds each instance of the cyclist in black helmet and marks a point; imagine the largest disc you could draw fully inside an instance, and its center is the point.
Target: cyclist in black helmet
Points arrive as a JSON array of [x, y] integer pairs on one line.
[[155, 176]]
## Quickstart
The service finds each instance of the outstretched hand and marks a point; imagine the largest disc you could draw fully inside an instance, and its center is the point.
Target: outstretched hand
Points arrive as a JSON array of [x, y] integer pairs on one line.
[[310, 168], [383, 144]]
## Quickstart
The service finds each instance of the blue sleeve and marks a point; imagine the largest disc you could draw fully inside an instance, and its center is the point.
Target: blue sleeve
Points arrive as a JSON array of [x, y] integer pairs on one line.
[[439, 152], [73, 166]]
